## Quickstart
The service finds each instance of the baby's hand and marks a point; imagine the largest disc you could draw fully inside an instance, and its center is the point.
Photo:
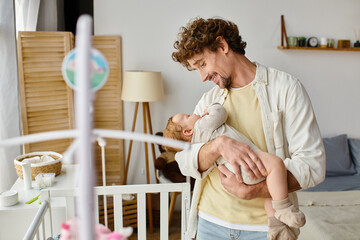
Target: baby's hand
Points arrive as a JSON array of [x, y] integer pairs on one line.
[[205, 112]]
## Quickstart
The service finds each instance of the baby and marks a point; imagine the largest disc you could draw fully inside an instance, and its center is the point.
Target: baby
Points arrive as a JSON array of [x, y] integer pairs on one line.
[[198, 129]]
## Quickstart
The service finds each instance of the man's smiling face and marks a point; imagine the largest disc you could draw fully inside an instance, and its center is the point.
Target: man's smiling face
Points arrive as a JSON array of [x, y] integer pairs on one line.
[[212, 67]]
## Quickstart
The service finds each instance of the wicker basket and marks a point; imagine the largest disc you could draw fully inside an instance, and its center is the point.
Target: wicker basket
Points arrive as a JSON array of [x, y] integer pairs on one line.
[[49, 167]]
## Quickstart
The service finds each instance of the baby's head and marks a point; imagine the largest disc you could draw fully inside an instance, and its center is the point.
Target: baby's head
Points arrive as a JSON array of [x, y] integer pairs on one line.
[[181, 127]]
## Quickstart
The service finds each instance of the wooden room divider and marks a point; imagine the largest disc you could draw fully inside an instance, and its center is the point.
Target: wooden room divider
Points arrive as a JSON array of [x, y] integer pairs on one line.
[[109, 111], [46, 100], [47, 103]]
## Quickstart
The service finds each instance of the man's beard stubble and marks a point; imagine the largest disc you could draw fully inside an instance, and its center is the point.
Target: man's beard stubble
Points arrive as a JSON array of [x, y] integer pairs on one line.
[[226, 82]]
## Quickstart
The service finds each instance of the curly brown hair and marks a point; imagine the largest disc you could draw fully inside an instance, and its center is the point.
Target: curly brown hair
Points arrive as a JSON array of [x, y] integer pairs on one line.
[[202, 33], [173, 131]]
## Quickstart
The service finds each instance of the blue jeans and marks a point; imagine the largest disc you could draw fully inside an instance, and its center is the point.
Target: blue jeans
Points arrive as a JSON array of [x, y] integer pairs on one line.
[[211, 231]]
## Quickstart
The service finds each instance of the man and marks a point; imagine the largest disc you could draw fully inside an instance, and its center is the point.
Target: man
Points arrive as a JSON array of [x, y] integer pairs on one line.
[[271, 108]]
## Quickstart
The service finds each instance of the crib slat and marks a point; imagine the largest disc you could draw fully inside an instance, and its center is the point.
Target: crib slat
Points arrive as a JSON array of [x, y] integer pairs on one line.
[[43, 229], [141, 216], [164, 215], [70, 207], [183, 224], [96, 209], [105, 211], [185, 209], [118, 212], [45, 196]]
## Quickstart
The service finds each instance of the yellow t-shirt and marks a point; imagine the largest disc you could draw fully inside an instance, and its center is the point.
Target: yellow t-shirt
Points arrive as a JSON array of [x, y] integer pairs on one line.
[[244, 114]]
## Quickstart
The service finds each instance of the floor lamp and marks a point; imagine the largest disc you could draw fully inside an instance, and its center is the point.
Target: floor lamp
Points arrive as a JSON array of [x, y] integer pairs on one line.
[[144, 87]]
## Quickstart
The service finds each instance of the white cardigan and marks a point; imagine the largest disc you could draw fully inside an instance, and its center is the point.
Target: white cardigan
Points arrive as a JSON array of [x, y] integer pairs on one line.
[[290, 128]]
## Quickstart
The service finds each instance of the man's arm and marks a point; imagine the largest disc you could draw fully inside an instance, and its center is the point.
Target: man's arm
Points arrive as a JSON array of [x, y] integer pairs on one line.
[[238, 154], [307, 153], [247, 192]]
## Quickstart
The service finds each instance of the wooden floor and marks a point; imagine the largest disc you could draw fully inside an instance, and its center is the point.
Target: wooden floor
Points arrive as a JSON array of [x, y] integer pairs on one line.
[[174, 230]]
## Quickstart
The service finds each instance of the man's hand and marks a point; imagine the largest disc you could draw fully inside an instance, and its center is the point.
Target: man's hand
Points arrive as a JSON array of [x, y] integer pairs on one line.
[[239, 154], [247, 192], [239, 189]]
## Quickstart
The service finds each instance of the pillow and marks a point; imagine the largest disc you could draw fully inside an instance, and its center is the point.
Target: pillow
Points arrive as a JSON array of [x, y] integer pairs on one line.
[[338, 160], [355, 153]]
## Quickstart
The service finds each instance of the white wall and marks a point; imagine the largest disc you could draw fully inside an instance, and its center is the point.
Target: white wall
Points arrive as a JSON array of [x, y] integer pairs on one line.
[[149, 28], [9, 105]]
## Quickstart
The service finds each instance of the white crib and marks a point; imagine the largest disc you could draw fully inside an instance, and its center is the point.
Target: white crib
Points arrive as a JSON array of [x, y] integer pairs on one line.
[[37, 229]]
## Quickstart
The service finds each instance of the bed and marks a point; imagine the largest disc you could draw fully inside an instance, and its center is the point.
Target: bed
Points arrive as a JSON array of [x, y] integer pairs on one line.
[[332, 208]]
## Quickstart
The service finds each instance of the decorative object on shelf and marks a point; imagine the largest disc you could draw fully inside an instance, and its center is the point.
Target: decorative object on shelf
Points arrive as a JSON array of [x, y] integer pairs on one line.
[[343, 43], [145, 87], [293, 41], [323, 42], [302, 41], [283, 33], [331, 43], [313, 42], [357, 37]]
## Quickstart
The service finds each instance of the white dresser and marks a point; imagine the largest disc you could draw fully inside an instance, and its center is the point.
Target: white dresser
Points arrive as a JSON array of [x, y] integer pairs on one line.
[[15, 220]]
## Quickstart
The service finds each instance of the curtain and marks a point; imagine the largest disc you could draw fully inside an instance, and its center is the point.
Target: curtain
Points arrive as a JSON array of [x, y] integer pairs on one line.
[[36, 15], [27, 12], [50, 15], [9, 104]]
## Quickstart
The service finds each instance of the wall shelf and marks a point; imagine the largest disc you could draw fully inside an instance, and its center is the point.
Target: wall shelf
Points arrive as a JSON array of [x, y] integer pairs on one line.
[[285, 44], [319, 48]]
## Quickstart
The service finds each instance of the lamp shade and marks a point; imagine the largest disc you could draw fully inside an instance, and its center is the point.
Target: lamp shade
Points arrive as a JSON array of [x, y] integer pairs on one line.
[[142, 86]]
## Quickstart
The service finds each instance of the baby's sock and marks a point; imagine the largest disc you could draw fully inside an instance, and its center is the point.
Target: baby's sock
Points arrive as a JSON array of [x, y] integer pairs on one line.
[[279, 231], [289, 214]]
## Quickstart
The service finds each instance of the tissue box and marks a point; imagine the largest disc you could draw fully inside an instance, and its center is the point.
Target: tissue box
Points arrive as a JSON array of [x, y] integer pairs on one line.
[[43, 180]]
